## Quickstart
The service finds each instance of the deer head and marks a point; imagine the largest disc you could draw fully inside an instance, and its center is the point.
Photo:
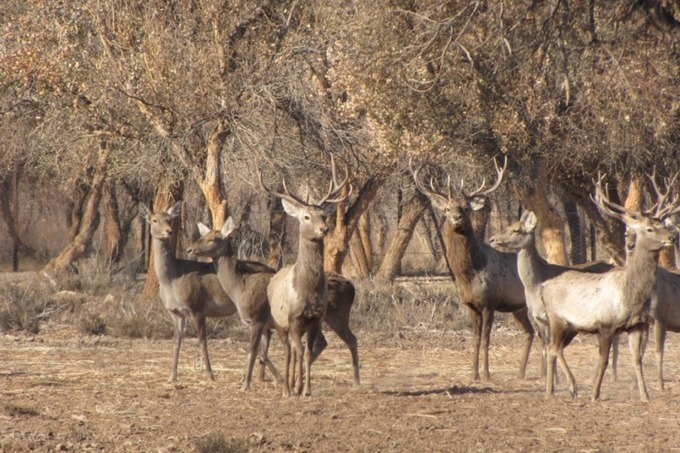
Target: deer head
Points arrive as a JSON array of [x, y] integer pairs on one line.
[[161, 222], [518, 235], [312, 216], [650, 230], [457, 209], [212, 243]]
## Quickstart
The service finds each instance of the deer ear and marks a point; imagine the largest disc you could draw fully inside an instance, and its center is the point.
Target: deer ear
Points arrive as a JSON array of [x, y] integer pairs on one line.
[[530, 221], [202, 228], [438, 202], [477, 202], [329, 209], [292, 209], [228, 227], [174, 210], [145, 212]]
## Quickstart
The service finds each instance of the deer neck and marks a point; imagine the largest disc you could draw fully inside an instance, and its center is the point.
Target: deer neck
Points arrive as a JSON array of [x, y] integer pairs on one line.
[[530, 264], [308, 273], [464, 252], [225, 266], [640, 274], [164, 261]]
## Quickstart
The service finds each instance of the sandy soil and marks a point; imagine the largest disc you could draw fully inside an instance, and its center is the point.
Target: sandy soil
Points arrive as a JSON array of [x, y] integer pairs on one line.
[[62, 391]]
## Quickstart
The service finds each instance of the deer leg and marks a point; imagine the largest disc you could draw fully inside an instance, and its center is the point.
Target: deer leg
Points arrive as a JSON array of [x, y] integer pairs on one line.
[[660, 342], [487, 324], [341, 328], [615, 356], [297, 360], [179, 323], [320, 345], [283, 336], [256, 331], [476, 319], [199, 320], [635, 343], [566, 339], [522, 318], [312, 333], [605, 347], [264, 357]]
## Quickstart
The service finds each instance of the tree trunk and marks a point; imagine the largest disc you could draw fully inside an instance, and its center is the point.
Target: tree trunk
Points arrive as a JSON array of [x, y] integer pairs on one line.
[[277, 231], [337, 240], [112, 228], [9, 208], [358, 256], [364, 229], [211, 183], [552, 225], [80, 245], [81, 192], [577, 231], [167, 193], [411, 214]]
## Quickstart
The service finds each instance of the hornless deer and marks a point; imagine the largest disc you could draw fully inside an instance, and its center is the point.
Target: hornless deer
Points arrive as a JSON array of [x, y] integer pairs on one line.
[[246, 284], [298, 294], [487, 279], [611, 302], [533, 270], [187, 288]]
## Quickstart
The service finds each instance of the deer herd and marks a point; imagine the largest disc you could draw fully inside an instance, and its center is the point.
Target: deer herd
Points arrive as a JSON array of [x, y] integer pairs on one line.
[[557, 302]]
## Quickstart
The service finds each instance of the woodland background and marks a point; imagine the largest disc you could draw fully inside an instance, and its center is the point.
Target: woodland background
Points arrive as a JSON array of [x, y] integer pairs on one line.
[[105, 104]]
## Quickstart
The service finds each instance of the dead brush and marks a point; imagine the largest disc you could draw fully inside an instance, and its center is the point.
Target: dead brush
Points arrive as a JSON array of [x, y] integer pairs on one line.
[[24, 308], [218, 443], [389, 307]]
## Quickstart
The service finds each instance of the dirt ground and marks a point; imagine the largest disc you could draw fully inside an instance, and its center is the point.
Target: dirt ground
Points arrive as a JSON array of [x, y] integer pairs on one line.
[[62, 391]]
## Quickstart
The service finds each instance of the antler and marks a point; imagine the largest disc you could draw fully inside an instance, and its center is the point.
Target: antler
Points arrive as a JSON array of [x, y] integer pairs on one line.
[[419, 185], [662, 207], [611, 208], [500, 172], [334, 188], [286, 195]]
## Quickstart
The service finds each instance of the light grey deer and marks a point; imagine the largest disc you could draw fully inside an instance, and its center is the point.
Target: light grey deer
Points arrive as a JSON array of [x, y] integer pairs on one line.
[[665, 302], [187, 288], [245, 282], [298, 294], [610, 302], [533, 270], [487, 279]]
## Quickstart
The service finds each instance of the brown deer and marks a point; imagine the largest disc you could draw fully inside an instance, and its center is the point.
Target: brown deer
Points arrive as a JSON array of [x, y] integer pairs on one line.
[[187, 288], [533, 270], [298, 294], [245, 282], [610, 302], [487, 279]]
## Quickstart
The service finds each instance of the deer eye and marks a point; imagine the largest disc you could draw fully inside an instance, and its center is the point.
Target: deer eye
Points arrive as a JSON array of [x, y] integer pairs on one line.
[[650, 230], [307, 217]]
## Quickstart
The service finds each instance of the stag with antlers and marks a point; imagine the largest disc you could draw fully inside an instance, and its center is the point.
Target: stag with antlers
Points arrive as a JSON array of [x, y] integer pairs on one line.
[[487, 279], [614, 301], [298, 294]]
